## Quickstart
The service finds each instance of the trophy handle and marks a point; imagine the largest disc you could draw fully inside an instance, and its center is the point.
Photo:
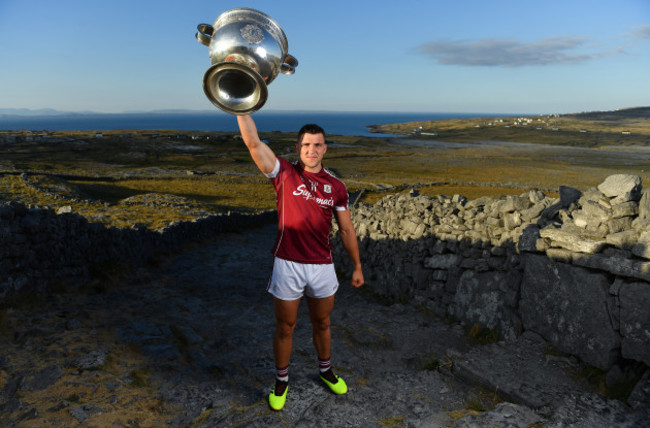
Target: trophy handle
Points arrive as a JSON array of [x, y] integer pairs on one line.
[[204, 34], [289, 65]]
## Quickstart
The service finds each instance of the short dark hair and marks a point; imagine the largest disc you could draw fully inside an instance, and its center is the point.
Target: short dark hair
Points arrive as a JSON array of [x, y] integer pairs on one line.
[[310, 128]]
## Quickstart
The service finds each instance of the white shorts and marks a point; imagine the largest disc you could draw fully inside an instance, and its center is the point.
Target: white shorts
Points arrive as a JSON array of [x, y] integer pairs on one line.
[[291, 280]]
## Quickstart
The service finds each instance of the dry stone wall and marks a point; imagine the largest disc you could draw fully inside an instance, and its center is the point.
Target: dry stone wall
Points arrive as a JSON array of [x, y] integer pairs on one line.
[[41, 249], [575, 269]]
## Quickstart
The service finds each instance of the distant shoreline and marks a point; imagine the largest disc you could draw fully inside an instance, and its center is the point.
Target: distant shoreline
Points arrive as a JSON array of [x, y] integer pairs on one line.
[[334, 123]]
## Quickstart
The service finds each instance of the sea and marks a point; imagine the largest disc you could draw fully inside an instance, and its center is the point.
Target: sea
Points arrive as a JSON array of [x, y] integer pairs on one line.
[[334, 123]]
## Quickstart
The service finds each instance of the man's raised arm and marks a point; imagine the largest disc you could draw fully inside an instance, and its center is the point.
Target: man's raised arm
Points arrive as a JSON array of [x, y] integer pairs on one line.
[[262, 155]]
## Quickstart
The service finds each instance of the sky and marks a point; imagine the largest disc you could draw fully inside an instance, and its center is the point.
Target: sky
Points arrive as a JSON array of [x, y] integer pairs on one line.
[[499, 56]]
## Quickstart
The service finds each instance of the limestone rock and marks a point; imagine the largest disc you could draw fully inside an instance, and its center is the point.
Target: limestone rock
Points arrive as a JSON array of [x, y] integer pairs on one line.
[[43, 379], [642, 249], [640, 396], [568, 195], [616, 264], [503, 415], [567, 305], [634, 298], [622, 187], [623, 239], [564, 239], [444, 261], [489, 299], [644, 206]]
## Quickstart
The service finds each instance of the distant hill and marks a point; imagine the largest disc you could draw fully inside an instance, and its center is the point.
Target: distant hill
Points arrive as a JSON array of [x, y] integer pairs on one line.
[[626, 113], [29, 112], [13, 112]]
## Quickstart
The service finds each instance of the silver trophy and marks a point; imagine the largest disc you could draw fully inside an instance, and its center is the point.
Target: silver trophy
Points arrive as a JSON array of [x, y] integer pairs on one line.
[[247, 50]]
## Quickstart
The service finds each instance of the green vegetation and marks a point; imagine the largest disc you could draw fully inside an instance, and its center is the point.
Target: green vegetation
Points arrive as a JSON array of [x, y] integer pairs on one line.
[[597, 379], [393, 422], [129, 178], [480, 400], [482, 335], [431, 363], [616, 128], [139, 378]]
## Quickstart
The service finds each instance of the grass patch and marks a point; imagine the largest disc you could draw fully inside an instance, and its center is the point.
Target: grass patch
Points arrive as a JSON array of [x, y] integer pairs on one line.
[[4, 323], [595, 377], [139, 378], [107, 275], [622, 390], [459, 414], [480, 401], [597, 380], [73, 398], [482, 335], [397, 421], [431, 363], [215, 174]]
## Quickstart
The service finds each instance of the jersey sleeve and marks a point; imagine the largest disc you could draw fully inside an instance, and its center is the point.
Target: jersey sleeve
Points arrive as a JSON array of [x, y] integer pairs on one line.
[[276, 170], [342, 198]]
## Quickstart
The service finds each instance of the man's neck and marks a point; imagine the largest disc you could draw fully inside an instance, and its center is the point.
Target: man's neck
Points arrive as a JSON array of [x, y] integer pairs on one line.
[[315, 170]]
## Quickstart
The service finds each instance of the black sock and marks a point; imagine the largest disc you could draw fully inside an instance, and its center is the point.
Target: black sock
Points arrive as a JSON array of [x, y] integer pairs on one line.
[[280, 386], [329, 376]]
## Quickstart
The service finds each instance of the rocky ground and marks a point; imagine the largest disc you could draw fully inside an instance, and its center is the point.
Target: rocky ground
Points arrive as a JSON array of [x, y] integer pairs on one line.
[[187, 342]]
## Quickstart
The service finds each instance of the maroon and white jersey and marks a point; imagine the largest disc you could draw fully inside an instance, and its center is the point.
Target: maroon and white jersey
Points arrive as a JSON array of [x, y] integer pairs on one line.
[[306, 203]]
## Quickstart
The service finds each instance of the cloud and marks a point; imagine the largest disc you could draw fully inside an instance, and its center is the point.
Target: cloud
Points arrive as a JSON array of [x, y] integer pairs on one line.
[[641, 32], [509, 53]]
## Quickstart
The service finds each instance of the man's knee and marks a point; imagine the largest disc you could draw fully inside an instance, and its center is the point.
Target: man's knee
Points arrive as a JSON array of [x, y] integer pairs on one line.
[[321, 324], [284, 329]]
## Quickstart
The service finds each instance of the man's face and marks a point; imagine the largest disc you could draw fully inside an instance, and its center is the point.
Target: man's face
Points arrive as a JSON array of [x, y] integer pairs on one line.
[[311, 150]]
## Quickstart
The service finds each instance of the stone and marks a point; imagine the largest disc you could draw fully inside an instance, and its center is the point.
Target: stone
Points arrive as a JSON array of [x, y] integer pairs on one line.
[[644, 206], [43, 379], [503, 415], [533, 212], [444, 261], [625, 187], [528, 239], [568, 240], [67, 209], [567, 305], [583, 220], [83, 413], [489, 299], [634, 301], [512, 220], [625, 209], [640, 396], [616, 264], [596, 211], [624, 239], [92, 360], [479, 202], [641, 249], [622, 224], [559, 255], [568, 195], [535, 196], [614, 376], [73, 324], [159, 308]]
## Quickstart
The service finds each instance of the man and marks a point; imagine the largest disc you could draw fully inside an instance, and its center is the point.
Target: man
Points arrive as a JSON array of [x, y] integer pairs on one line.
[[307, 198]]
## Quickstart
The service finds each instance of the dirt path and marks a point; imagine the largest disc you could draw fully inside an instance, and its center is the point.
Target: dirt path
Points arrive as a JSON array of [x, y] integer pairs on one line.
[[188, 343]]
